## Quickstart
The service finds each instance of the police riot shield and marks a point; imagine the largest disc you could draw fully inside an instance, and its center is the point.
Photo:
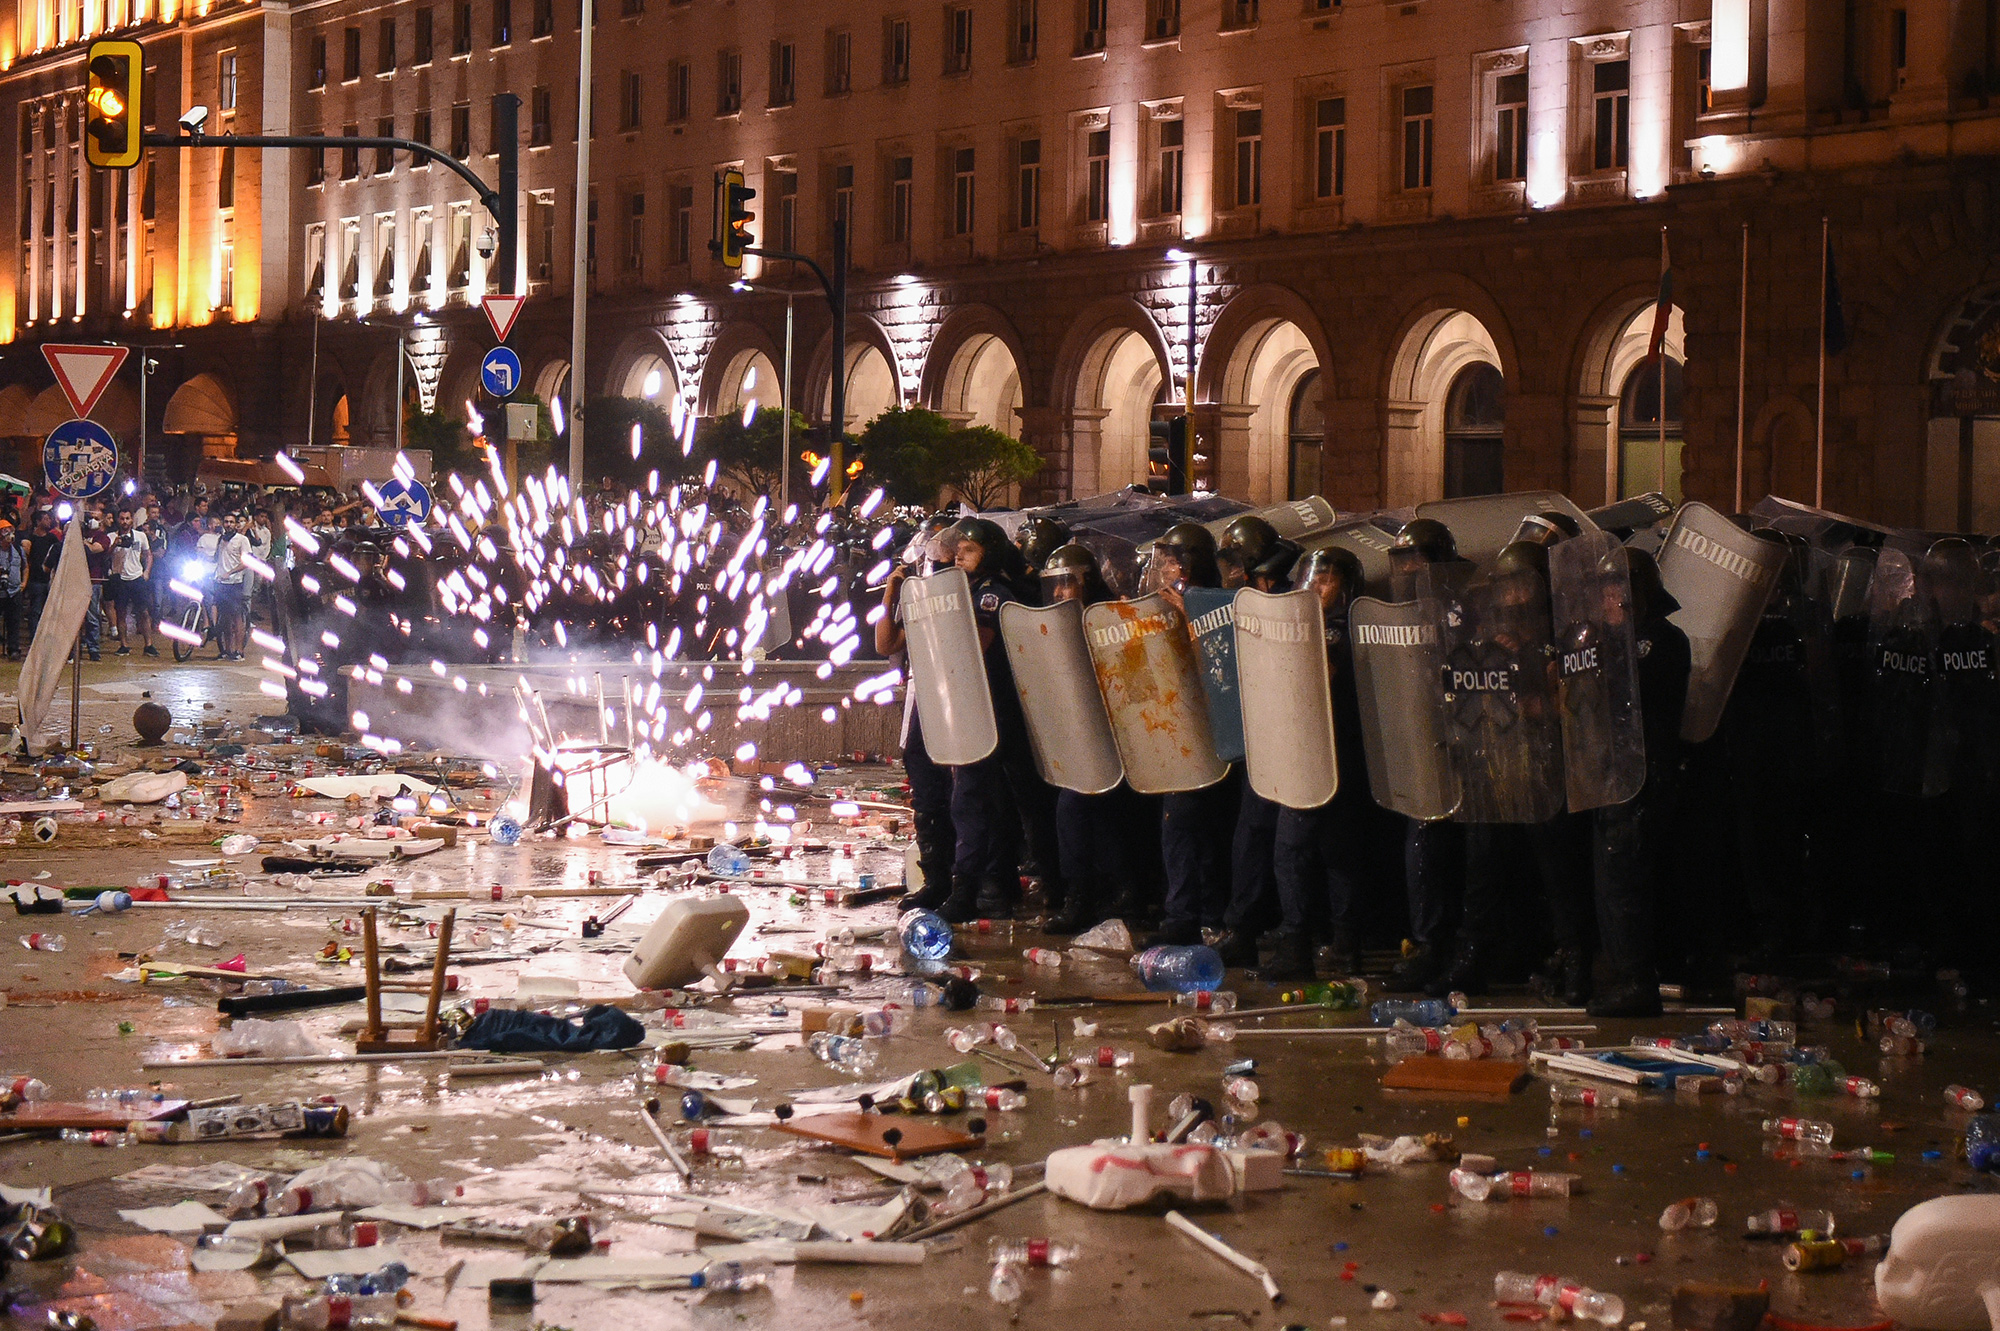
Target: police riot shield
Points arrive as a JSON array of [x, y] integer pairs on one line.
[[1369, 542], [1966, 595], [1212, 614], [1628, 516], [1483, 524], [1397, 666], [1292, 521], [1906, 692], [1288, 736], [947, 670], [1067, 725], [1151, 685], [1722, 576], [1597, 671], [1502, 722]]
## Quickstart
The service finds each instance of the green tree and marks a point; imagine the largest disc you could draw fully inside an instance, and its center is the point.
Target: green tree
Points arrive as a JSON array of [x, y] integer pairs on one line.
[[749, 454], [982, 464], [907, 451], [445, 436]]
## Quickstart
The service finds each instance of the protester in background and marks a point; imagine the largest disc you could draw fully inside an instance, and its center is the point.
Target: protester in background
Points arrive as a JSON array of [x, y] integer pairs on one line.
[[131, 584], [44, 549], [97, 552], [232, 609], [13, 585]]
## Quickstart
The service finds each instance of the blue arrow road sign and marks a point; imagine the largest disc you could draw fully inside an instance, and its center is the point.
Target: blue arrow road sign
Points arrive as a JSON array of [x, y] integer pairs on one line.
[[500, 372], [80, 459]]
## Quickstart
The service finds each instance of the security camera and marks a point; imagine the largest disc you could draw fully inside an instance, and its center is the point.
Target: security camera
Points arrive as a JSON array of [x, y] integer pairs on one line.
[[488, 242], [194, 119]]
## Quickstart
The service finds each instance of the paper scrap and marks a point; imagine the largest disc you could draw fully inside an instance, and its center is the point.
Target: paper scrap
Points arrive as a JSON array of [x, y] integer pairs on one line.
[[183, 1218]]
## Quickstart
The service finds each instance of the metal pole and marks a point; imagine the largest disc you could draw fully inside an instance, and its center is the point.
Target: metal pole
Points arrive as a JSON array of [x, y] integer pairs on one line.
[[1742, 366], [1662, 403], [579, 265], [76, 678], [399, 390], [1819, 447], [785, 403], [139, 463], [836, 480], [1187, 398]]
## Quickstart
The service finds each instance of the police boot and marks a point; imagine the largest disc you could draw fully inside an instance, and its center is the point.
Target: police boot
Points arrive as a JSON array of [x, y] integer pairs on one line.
[[1238, 949], [1467, 972], [1564, 978], [1417, 968], [1079, 912], [1335, 958], [934, 892], [1293, 960], [1182, 934], [962, 906], [995, 901]]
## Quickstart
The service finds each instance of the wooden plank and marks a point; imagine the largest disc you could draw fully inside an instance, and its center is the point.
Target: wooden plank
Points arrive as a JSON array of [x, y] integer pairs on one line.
[[868, 1134], [48, 1115], [1472, 1076]]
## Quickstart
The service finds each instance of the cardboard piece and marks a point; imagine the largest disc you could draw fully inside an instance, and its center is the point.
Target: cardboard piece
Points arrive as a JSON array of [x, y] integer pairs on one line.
[[1477, 1076], [865, 1133]]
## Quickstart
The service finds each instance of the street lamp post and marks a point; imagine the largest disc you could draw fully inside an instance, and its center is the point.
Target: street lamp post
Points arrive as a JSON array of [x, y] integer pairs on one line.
[[784, 396]]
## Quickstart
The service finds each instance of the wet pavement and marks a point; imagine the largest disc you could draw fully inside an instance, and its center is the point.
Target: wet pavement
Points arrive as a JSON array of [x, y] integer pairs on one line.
[[569, 1137]]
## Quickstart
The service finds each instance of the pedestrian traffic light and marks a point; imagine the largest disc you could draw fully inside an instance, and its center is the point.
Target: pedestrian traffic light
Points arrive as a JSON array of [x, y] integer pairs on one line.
[[1167, 456], [116, 69], [736, 218]]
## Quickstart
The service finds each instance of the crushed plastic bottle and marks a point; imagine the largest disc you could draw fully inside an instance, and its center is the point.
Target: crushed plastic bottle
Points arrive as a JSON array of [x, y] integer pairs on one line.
[[712, 1142], [1012, 1006], [1477, 1187], [1859, 1087], [1179, 969], [852, 1055], [1001, 1098], [1590, 1097], [728, 860], [248, 1037], [1786, 1220], [1964, 1097], [504, 828], [1690, 1213], [1339, 995], [43, 942], [1982, 1142], [1046, 957], [1004, 1286], [1570, 1295], [21, 1086], [966, 1185], [1403, 1041], [1799, 1130], [924, 935], [1032, 1252], [1415, 1011], [1070, 1076], [1207, 1000], [240, 844], [95, 1137], [1242, 1090]]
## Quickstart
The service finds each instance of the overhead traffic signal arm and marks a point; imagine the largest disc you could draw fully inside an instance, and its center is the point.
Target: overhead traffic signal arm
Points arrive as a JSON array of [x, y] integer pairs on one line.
[[115, 74]]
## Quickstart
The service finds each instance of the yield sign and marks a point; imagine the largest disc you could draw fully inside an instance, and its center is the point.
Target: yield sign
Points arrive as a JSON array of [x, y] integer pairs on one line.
[[501, 311], [83, 371]]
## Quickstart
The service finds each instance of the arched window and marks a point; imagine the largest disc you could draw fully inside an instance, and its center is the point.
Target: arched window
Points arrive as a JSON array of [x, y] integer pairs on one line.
[[341, 436], [1639, 431], [1308, 437], [1475, 419]]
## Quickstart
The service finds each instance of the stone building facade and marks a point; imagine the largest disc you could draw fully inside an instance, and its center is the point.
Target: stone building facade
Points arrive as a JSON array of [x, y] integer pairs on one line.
[[1408, 248]]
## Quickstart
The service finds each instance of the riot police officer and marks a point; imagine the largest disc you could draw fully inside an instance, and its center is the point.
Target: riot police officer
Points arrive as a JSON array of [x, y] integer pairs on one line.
[[1040, 537], [1316, 849], [930, 784]]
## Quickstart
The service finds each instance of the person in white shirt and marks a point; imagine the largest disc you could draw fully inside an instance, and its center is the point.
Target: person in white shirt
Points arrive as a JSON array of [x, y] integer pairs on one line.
[[231, 608], [130, 584]]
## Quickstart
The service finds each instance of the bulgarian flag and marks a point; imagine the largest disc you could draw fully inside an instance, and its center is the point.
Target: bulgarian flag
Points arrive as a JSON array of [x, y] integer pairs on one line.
[[1663, 307]]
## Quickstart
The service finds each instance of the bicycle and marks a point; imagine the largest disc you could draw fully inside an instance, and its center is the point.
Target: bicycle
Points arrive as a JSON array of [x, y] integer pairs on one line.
[[195, 616]]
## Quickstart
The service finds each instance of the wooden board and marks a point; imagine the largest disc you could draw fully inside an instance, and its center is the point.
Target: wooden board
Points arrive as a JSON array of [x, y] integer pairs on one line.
[[864, 1133], [1475, 1076], [48, 1115]]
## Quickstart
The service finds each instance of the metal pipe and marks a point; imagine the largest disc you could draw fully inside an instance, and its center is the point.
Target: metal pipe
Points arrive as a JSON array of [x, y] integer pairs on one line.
[[579, 277]]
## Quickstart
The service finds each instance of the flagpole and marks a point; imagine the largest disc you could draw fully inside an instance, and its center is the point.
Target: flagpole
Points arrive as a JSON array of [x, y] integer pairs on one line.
[[1661, 405], [1742, 364], [1819, 451]]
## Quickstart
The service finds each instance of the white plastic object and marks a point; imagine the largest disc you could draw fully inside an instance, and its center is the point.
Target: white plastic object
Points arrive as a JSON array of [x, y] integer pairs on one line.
[[1141, 1097], [691, 936], [1942, 1272], [1115, 1176]]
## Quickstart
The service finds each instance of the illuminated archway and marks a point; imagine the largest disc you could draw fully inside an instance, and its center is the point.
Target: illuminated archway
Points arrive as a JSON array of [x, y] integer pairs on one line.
[[982, 385], [1434, 351]]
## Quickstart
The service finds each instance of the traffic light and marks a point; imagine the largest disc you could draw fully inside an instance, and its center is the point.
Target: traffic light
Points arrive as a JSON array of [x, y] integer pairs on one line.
[[1167, 456], [736, 218], [111, 136]]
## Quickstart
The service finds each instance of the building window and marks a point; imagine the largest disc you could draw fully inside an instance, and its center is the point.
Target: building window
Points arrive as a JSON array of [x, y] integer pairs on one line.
[[1475, 423], [729, 83], [315, 68], [503, 22], [895, 50], [461, 28], [1097, 176], [1093, 18], [541, 118], [839, 62], [1024, 33], [385, 47], [1419, 136], [350, 62], [963, 202], [590, 236], [785, 208], [629, 108], [315, 166], [1611, 114], [1028, 184], [680, 90], [225, 264], [1639, 429], [1249, 158], [1510, 126], [461, 247], [902, 182], [843, 198], [315, 259], [350, 155], [350, 257], [1308, 438], [423, 46], [420, 234], [1238, 14], [784, 73], [385, 255], [958, 39], [1704, 86], [1172, 165], [461, 130], [680, 244], [420, 130], [545, 18], [385, 158], [1163, 20], [225, 179], [1330, 148], [635, 232], [542, 229], [1899, 48], [632, 8]]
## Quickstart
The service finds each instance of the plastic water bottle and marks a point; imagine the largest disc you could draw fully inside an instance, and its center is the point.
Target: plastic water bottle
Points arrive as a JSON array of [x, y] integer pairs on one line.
[[113, 902], [504, 828], [966, 1184], [241, 844], [1964, 1097], [1032, 1252], [1782, 1220], [21, 1086], [1477, 1187], [1182, 969], [994, 1003], [1572, 1296], [1004, 1287], [43, 942], [1407, 1041], [844, 1053], [1046, 957], [1207, 1000], [925, 935], [728, 860], [1799, 1130], [386, 1279], [995, 1097], [1982, 1142], [1690, 1213], [1415, 1011], [1590, 1097]]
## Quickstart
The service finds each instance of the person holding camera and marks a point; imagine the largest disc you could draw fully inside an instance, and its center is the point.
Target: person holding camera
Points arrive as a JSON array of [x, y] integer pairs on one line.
[[232, 609], [131, 584]]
